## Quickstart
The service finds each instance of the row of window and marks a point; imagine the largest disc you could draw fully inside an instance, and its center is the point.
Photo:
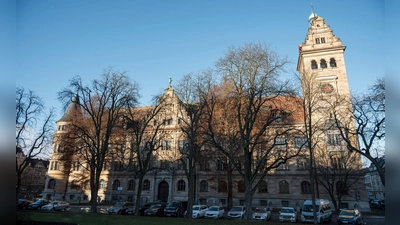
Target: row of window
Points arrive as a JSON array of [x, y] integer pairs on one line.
[[167, 121], [284, 186], [323, 64]]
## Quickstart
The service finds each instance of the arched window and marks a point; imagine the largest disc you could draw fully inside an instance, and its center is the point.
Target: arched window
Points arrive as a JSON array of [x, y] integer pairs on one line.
[[314, 65], [146, 185], [51, 184], [263, 187], [222, 186], [241, 186], [75, 184], [323, 63], [203, 186], [181, 185], [332, 62], [131, 185], [305, 187], [102, 184], [283, 187], [116, 184]]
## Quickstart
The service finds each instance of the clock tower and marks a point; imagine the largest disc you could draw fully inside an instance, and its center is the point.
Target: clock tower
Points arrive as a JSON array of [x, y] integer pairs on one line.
[[321, 56]]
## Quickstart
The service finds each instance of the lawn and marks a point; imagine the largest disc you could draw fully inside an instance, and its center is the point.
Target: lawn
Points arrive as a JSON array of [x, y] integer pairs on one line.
[[105, 219]]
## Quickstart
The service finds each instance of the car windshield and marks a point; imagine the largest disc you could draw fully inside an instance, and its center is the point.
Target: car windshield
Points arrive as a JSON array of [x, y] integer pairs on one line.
[[347, 212], [308, 208], [54, 203], [258, 210], [288, 211], [236, 209], [38, 201], [173, 204], [119, 204], [195, 208], [213, 209], [155, 206]]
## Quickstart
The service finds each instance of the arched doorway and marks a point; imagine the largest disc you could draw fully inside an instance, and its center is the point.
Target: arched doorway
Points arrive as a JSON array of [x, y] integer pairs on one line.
[[163, 190]]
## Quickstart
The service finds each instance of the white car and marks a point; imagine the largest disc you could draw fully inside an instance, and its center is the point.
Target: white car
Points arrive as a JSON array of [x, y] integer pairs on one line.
[[288, 214], [199, 211], [56, 205], [261, 214], [236, 212], [215, 212]]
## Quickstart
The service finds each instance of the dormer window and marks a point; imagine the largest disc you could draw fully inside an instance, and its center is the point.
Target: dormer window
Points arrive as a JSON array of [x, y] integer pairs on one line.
[[332, 62], [323, 63], [314, 65], [322, 40]]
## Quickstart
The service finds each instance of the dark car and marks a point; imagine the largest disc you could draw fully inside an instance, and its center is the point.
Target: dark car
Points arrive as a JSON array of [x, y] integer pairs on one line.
[[38, 204], [377, 204], [175, 208], [350, 216], [23, 203], [145, 206], [120, 208], [155, 210]]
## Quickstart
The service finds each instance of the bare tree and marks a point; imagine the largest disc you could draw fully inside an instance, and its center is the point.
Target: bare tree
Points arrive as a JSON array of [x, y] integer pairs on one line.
[[144, 127], [253, 70], [103, 105], [368, 112], [313, 107], [192, 90], [33, 130], [338, 174]]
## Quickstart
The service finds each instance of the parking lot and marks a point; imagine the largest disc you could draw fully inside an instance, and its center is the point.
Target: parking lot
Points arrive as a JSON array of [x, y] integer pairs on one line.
[[369, 218]]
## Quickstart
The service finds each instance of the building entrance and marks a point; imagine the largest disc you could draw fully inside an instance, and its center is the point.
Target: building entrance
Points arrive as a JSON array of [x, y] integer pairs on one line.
[[163, 190]]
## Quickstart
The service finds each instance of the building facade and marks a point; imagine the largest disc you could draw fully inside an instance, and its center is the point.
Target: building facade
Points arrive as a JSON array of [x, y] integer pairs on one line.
[[322, 53], [33, 177], [374, 186]]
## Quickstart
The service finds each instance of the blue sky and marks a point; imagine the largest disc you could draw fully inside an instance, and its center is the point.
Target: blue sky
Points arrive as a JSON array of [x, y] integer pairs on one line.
[[152, 40]]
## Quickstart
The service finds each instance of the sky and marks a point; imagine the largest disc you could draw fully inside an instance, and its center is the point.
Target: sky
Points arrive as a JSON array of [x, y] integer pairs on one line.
[[152, 40]]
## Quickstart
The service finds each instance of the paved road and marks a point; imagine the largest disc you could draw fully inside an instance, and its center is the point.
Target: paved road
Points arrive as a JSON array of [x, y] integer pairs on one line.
[[368, 219]]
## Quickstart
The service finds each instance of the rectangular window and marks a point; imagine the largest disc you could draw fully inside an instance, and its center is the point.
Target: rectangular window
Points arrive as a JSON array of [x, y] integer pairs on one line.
[[300, 142], [317, 41], [322, 40], [334, 139], [164, 164], [280, 142], [263, 202], [167, 121], [283, 166]]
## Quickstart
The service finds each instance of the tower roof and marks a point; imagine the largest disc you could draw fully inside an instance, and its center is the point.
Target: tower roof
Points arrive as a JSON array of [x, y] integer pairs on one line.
[[74, 109]]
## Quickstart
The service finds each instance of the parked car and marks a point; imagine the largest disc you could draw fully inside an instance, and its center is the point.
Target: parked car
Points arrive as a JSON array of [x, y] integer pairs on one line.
[[350, 216], [38, 204], [155, 210], [145, 206], [23, 203], [288, 214], [175, 208], [130, 210], [199, 211], [261, 214], [215, 212], [56, 206], [322, 207], [236, 212], [119, 208], [377, 204]]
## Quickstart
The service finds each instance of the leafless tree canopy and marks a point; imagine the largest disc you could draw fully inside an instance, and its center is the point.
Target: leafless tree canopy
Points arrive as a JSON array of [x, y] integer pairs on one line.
[[103, 105], [33, 130]]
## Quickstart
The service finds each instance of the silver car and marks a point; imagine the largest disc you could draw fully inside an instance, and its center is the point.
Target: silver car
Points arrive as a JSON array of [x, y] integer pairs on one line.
[[261, 214], [199, 211], [56, 206]]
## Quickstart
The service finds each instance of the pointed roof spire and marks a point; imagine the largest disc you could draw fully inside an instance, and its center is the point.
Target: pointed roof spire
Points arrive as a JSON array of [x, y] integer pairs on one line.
[[313, 14], [74, 109]]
